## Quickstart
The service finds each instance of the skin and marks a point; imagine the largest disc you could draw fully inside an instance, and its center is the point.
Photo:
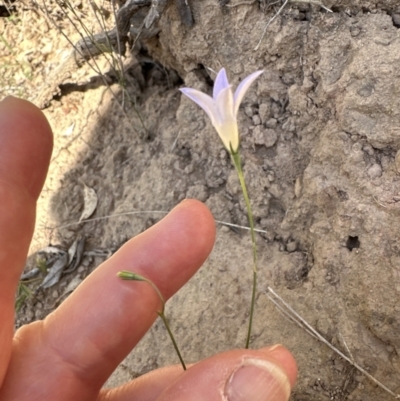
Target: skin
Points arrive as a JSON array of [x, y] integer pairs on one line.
[[70, 354]]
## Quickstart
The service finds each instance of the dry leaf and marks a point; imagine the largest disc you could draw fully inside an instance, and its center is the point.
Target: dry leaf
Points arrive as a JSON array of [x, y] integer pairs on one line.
[[75, 253], [55, 272], [30, 274], [90, 202]]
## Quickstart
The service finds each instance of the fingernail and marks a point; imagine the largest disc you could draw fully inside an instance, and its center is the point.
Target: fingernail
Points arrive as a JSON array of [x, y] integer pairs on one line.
[[258, 380], [273, 348]]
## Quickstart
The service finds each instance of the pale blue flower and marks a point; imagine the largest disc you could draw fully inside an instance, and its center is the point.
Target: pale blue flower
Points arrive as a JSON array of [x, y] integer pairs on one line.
[[222, 108]]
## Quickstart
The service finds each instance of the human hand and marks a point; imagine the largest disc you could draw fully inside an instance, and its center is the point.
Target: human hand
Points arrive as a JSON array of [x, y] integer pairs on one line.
[[70, 354]]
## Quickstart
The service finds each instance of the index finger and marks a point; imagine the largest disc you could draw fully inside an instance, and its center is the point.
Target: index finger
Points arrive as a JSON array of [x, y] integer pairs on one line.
[[26, 144], [83, 341]]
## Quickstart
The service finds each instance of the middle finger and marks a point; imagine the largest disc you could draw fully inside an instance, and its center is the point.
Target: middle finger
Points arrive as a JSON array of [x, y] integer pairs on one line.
[[71, 353]]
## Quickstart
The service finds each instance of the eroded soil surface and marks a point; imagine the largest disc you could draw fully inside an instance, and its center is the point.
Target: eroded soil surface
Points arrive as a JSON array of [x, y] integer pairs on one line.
[[320, 140]]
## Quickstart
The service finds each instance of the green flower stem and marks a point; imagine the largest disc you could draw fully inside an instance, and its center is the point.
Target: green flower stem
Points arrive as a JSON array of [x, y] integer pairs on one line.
[[127, 275], [164, 319], [238, 166]]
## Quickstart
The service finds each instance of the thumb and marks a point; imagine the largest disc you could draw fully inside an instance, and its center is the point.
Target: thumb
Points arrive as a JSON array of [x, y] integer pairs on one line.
[[239, 375]]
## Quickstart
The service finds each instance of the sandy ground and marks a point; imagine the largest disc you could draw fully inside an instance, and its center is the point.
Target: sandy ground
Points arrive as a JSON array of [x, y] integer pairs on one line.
[[320, 135]]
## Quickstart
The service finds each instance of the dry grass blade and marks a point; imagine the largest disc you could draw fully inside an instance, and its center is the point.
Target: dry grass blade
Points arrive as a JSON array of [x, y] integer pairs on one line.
[[79, 54], [289, 312], [85, 51], [269, 23], [23, 293], [317, 2], [132, 213]]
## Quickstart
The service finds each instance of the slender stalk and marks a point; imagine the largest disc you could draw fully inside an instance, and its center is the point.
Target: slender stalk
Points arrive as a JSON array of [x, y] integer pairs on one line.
[[164, 319], [127, 275], [238, 166]]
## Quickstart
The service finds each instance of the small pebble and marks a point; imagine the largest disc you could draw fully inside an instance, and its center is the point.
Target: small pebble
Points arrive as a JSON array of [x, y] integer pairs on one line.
[[258, 135], [271, 123], [263, 112], [29, 315], [291, 246], [270, 138], [375, 171], [357, 147], [248, 111], [367, 148], [189, 168], [256, 119]]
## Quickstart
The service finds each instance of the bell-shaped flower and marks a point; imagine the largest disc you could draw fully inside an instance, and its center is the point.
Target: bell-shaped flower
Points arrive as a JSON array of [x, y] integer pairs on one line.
[[223, 107]]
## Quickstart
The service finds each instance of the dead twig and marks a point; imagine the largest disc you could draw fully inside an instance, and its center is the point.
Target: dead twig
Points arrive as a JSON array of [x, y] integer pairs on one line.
[[292, 315]]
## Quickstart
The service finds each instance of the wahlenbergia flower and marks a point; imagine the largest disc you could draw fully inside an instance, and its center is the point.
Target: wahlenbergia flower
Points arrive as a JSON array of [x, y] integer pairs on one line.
[[223, 107]]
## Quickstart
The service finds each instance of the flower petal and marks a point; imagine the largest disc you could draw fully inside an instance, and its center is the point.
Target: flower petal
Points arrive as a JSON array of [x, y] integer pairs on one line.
[[204, 101], [229, 135], [227, 125], [242, 89], [224, 105], [221, 82]]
